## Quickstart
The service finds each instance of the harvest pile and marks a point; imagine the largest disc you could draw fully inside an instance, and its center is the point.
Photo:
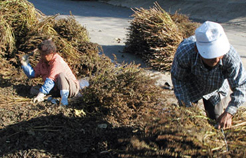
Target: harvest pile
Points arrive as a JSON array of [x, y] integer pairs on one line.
[[121, 114], [154, 35], [182, 132]]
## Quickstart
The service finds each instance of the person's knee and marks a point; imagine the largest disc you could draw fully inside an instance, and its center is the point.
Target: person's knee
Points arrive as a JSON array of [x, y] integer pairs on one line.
[[60, 76], [60, 79]]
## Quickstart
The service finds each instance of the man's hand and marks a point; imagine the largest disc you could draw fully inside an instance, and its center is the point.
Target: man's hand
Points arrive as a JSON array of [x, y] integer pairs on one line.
[[39, 98], [24, 60], [225, 120]]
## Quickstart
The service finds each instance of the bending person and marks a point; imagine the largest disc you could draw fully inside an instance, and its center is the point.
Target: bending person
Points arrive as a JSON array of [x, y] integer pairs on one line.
[[207, 67]]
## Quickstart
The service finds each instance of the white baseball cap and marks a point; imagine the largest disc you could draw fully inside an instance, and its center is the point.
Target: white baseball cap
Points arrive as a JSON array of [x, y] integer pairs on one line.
[[211, 40]]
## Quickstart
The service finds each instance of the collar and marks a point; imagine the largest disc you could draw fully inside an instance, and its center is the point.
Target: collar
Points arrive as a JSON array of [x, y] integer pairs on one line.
[[200, 63], [198, 59], [53, 59]]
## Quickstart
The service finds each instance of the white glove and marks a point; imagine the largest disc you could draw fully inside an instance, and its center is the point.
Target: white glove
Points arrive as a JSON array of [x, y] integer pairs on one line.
[[39, 98], [24, 60]]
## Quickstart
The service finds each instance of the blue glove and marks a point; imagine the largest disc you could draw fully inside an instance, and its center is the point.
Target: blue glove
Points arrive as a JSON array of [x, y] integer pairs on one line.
[[47, 86], [28, 70]]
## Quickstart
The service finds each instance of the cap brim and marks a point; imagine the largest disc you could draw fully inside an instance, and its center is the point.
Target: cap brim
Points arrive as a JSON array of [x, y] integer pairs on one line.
[[214, 49]]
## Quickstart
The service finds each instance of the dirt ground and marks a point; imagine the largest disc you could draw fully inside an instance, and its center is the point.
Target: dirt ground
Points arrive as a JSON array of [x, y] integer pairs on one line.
[[46, 130], [49, 130]]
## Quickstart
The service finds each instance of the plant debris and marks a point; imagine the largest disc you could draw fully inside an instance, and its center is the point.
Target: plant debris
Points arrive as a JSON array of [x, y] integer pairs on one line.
[[154, 35], [121, 114]]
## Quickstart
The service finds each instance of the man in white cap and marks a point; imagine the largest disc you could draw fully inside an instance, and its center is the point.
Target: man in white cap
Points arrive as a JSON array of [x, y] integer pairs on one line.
[[206, 67]]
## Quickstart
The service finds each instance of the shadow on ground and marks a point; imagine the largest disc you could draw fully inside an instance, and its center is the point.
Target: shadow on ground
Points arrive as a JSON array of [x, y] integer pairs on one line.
[[113, 51], [62, 136]]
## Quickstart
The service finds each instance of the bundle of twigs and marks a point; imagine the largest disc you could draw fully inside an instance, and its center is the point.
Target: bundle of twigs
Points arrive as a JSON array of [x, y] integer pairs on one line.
[[235, 136], [71, 30], [7, 43], [155, 35], [186, 132], [23, 27], [21, 16], [185, 25], [124, 94]]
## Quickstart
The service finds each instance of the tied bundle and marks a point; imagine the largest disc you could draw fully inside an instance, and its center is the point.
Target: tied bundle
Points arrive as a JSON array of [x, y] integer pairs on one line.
[[155, 35]]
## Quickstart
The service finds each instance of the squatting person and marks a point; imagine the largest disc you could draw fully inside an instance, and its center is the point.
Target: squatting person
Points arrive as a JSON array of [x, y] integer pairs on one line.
[[55, 73]]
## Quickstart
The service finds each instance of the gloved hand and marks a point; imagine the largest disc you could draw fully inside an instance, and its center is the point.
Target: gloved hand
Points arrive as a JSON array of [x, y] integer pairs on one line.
[[24, 60], [39, 98]]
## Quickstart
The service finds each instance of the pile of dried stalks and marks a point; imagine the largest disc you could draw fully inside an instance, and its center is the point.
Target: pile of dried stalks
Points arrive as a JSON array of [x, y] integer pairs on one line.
[[7, 39], [122, 96], [185, 25], [23, 28], [124, 86], [155, 35], [186, 132]]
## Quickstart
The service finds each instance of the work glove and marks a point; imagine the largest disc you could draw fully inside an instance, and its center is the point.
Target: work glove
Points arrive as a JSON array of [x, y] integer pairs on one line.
[[24, 60], [39, 98]]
